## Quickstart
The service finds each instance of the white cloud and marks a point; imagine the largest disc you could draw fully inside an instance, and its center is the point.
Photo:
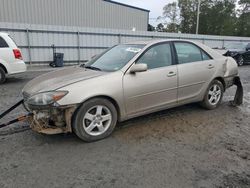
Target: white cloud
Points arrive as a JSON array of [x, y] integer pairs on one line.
[[155, 7]]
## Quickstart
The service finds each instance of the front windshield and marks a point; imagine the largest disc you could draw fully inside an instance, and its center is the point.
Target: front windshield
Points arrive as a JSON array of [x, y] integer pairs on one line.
[[236, 46], [115, 58]]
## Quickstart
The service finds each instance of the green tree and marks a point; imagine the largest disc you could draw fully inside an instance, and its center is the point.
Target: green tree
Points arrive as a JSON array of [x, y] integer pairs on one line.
[[160, 27], [151, 28], [171, 17], [188, 13], [243, 27], [218, 17]]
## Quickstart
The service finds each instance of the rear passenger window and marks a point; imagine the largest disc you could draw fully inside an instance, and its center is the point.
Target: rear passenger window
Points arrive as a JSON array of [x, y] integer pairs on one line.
[[205, 56], [3, 44], [187, 53]]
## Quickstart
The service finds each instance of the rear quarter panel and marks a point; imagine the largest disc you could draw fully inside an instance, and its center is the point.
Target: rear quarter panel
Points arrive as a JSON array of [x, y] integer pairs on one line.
[[231, 67], [224, 67], [5, 54]]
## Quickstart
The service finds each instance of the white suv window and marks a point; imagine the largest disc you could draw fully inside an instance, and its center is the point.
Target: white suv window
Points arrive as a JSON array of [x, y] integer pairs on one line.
[[3, 44]]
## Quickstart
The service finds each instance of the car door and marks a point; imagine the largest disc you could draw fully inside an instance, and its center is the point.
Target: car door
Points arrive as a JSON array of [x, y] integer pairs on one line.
[[155, 88], [247, 53], [6, 53], [195, 70]]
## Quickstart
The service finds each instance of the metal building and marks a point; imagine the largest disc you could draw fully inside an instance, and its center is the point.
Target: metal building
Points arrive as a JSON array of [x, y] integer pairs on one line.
[[81, 28], [80, 13]]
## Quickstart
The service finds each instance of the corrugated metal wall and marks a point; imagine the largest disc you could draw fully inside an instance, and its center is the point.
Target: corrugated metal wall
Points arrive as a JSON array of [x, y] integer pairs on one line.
[[80, 44], [82, 13]]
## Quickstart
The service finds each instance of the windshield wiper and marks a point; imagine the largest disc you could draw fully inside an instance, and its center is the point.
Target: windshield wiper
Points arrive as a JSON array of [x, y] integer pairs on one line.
[[92, 68]]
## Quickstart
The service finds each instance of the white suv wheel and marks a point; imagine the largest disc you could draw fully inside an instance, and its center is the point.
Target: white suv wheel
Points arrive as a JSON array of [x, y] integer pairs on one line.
[[2, 76]]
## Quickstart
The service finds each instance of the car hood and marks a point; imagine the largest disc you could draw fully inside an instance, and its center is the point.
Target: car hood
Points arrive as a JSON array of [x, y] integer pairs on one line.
[[221, 51], [234, 50], [58, 79]]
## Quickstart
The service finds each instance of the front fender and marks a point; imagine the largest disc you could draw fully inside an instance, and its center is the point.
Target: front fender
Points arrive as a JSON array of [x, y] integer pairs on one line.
[[109, 85]]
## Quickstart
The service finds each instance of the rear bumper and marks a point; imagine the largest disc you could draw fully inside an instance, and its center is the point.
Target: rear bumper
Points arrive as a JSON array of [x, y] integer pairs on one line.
[[16, 67]]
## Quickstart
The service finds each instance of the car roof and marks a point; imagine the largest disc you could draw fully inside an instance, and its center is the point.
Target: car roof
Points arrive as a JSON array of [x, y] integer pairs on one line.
[[214, 54], [155, 41]]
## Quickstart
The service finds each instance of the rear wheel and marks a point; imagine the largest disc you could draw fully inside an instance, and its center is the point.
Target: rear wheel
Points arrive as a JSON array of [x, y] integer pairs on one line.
[[95, 120], [2, 76], [52, 64], [213, 95], [240, 60]]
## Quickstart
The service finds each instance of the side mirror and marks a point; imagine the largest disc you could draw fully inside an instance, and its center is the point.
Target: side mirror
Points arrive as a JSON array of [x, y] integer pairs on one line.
[[139, 68]]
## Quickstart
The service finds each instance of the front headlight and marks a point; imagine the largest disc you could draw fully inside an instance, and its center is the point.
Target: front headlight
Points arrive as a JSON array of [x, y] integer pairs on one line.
[[46, 98], [233, 53]]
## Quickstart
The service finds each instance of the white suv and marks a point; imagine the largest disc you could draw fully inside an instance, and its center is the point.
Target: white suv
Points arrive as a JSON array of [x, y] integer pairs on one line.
[[11, 61]]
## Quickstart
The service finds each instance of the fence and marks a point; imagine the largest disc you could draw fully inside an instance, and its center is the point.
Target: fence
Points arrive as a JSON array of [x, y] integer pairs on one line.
[[80, 44]]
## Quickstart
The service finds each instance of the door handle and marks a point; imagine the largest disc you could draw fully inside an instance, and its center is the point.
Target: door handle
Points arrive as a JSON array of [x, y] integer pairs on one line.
[[170, 74], [210, 66]]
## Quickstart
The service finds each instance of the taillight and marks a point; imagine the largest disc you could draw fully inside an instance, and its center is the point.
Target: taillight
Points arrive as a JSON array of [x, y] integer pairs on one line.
[[17, 54]]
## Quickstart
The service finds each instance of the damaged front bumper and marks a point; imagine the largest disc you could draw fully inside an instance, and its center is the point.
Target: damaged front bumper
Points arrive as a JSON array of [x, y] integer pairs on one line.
[[53, 120], [238, 98]]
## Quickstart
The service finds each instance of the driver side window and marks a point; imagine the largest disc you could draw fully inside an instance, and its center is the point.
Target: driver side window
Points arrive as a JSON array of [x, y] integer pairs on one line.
[[157, 56]]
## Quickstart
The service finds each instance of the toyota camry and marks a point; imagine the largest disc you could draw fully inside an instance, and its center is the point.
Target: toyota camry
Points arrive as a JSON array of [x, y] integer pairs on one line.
[[126, 81]]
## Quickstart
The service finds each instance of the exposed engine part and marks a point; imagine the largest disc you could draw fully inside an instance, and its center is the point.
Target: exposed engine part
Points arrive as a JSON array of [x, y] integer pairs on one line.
[[53, 121]]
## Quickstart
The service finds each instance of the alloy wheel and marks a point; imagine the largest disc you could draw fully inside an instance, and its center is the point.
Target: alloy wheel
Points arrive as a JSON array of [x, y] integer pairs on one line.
[[240, 61], [214, 94], [97, 120]]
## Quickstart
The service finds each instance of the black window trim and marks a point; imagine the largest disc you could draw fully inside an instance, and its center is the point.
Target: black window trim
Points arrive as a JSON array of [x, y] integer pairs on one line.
[[6, 45], [201, 50]]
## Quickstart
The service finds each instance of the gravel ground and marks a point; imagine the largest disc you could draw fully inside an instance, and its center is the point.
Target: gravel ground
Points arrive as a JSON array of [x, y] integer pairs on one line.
[[182, 147]]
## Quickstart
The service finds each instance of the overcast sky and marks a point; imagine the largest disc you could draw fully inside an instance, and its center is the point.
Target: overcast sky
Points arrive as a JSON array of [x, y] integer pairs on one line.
[[155, 7]]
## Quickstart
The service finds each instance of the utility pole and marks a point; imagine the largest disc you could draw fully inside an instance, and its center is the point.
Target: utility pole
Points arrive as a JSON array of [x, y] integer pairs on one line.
[[198, 17]]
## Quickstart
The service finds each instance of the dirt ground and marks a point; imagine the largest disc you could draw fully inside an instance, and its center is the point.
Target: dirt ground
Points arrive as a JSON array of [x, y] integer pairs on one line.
[[178, 148]]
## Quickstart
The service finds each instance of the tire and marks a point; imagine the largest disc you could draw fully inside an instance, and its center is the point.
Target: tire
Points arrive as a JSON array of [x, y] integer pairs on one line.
[[240, 60], [215, 91], [52, 64], [95, 120], [2, 76]]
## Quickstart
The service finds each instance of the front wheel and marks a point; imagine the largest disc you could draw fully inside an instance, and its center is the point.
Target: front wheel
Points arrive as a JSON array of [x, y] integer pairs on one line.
[[2, 76], [213, 95], [240, 60], [95, 120]]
